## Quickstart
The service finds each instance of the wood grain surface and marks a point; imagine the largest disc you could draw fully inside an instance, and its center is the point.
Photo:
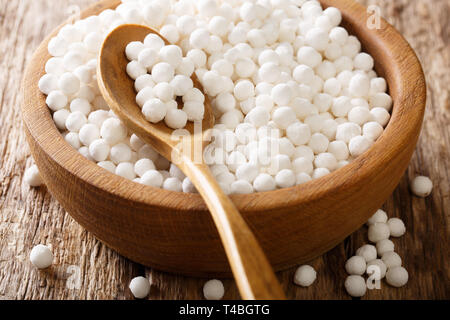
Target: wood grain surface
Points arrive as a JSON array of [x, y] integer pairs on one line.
[[86, 269]]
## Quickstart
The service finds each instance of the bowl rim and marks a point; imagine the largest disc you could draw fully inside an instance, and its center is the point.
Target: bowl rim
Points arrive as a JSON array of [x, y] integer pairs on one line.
[[409, 102]]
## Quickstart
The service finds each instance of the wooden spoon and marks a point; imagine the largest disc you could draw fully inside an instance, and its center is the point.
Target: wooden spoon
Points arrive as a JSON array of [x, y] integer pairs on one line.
[[251, 269]]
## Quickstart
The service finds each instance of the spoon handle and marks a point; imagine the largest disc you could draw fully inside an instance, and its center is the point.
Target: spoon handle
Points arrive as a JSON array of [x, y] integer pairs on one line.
[[251, 269]]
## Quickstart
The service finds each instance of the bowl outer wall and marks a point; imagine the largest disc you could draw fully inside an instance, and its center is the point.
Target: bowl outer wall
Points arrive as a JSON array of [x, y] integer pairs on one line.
[[173, 232]]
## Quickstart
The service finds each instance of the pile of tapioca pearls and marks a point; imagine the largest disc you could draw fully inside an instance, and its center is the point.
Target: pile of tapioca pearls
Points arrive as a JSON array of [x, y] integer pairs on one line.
[[294, 97]]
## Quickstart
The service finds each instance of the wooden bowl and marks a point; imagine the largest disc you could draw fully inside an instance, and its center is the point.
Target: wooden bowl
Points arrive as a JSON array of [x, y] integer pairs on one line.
[[173, 231]]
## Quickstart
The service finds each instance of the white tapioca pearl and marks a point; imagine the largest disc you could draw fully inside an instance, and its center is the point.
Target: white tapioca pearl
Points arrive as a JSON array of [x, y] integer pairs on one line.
[[332, 86], [358, 145], [303, 74], [163, 72], [381, 100], [378, 85], [154, 110], [378, 231], [347, 131], [56, 100], [170, 32], [198, 57], [317, 38], [284, 117], [68, 83], [368, 252], [397, 276], [339, 35], [422, 186], [99, 150], [329, 128], [298, 133], [339, 149], [359, 115], [355, 286], [113, 131], [48, 83], [381, 116], [363, 61], [319, 143], [326, 160], [309, 56], [89, 133], [144, 81], [73, 139], [135, 70], [148, 57], [176, 119], [372, 130], [195, 110], [320, 172], [315, 123], [269, 72], [391, 259], [303, 165], [264, 183], [281, 94], [359, 85]]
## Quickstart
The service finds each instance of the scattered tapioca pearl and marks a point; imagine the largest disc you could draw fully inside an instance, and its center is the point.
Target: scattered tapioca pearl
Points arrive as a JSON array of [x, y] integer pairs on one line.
[[397, 276], [140, 287], [422, 186], [213, 290], [355, 286], [41, 256], [305, 276], [32, 176]]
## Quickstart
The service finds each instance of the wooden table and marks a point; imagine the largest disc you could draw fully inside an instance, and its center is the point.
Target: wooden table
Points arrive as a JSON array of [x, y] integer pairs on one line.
[[86, 269]]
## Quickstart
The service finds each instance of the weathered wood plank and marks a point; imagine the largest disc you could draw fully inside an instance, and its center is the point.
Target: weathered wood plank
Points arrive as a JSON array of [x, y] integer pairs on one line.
[[31, 216]]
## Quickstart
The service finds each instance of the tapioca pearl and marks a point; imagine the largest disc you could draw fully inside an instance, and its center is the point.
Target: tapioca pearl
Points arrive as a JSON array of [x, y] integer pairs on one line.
[[303, 165], [329, 129], [347, 131], [318, 143], [194, 94], [89, 133], [381, 100], [359, 115], [176, 119], [359, 145], [339, 149], [315, 123], [303, 107], [144, 81], [73, 139], [60, 118], [56, 100], [309, 56], [99, 150], [147, 58], [154, 110], [135, 70], [163, 72], [298, 133], [194, 110], [381, 116], [326, 160], [120, 153], [332, 86], [186, 67], [303, 74], [269, 72], [284, 117], [341, 106], [147, 152], [113, 131], [363, 61], [359, 85], [378, 85], [320, 172], [181, 85]]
